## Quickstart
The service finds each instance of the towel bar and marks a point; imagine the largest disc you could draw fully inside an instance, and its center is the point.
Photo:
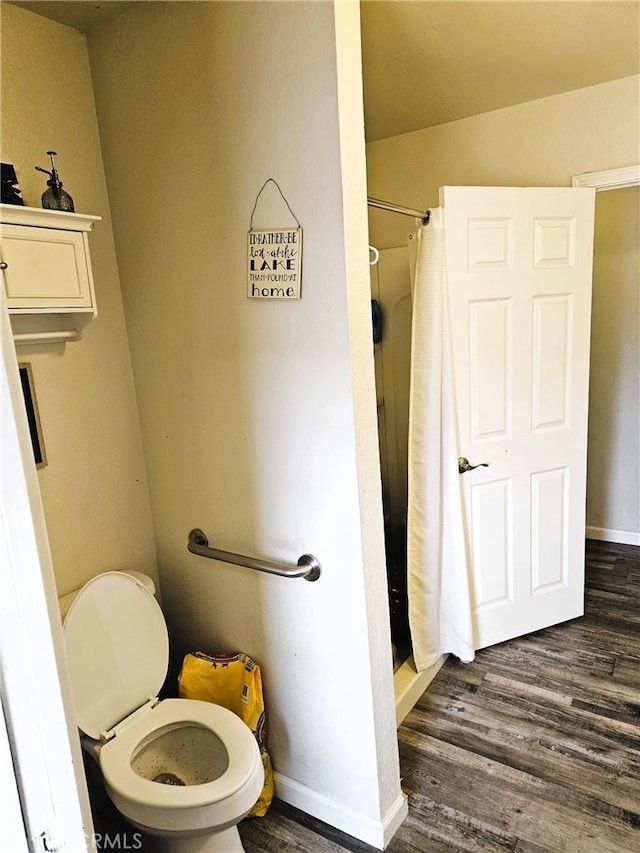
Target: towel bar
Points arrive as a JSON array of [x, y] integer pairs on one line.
[[56, 337], [308, 567]]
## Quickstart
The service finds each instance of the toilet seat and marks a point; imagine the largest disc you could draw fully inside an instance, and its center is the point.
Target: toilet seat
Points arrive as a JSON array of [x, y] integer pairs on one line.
[[243, 754], [117, 650]]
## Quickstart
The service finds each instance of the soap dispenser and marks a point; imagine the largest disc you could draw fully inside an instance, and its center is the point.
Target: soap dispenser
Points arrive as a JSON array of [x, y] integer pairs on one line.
[[55, 198]]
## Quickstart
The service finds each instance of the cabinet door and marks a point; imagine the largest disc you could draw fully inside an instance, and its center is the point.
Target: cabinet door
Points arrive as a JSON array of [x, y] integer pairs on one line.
[[47, 270]]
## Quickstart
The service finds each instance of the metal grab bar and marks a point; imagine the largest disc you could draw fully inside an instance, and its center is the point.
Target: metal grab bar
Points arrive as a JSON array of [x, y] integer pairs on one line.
[[308, 567]]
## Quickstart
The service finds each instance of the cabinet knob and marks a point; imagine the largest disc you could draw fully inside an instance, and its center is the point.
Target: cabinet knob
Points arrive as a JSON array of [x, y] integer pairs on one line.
[[3, 265]]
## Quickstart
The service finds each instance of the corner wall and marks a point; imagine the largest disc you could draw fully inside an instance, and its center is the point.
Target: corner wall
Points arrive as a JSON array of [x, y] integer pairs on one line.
[[94, 488], [258, 416]]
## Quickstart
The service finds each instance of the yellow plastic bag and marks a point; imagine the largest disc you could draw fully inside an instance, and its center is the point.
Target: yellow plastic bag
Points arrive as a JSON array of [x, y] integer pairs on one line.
[[233, 681]]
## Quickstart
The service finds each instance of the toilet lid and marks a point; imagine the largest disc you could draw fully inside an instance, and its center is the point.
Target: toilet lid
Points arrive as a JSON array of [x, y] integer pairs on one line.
[[117, 650]]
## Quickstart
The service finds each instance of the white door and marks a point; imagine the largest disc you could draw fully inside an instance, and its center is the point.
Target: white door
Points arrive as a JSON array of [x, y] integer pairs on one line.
[[35, 698], [519, 270], [13, 833]]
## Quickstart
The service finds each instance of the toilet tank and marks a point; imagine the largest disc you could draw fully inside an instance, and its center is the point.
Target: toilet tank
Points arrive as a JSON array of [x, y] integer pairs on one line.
[[65, 601]]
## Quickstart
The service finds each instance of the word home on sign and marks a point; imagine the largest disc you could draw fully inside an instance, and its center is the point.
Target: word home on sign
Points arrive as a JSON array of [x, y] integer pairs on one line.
[[274, 264]]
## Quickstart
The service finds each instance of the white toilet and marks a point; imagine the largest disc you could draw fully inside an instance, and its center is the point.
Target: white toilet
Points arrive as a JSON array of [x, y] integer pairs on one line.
[[181, 770]]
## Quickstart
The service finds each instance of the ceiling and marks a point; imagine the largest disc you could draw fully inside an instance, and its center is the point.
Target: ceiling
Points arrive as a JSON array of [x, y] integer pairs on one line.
[[82, 15], [426, 62]]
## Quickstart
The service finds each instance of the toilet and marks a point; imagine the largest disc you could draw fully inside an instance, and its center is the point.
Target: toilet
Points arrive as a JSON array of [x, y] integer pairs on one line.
[[183, 771]]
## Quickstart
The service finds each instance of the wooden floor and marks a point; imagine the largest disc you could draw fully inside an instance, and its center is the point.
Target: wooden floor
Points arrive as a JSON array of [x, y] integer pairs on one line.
[[532, 748]]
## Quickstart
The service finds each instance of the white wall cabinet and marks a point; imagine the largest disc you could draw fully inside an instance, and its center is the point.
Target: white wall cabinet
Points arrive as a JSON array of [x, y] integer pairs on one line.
[[47, 271]]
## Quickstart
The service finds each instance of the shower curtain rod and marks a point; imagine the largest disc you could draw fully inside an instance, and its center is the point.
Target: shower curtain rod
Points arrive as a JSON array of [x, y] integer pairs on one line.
[[423, 215]]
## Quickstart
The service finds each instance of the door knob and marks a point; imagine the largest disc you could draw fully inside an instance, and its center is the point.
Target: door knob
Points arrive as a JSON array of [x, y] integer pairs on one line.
[[464, 465]]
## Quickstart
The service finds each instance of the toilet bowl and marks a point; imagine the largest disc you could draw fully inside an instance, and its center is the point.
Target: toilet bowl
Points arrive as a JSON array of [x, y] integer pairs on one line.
[[181, 770]]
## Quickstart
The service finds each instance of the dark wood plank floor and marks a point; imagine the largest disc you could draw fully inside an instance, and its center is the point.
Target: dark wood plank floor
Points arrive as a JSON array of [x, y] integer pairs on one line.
[[532, 748]]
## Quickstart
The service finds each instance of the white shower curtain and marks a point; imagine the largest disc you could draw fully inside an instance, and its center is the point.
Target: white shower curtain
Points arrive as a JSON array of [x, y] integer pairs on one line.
[[438, 576]]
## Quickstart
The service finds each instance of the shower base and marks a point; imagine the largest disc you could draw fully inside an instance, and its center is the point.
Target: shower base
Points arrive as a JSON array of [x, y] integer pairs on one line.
[[409, 685]]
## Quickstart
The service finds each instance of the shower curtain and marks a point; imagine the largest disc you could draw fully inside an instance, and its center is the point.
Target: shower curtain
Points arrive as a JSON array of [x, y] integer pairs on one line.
[[437, 565]]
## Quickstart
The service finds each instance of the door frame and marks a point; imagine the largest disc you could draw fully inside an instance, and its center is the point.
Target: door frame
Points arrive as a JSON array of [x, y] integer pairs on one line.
[[13, 835], [610, 179], [42, 735]]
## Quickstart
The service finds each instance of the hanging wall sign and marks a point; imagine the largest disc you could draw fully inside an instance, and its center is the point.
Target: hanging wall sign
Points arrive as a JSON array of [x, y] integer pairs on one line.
[[274, 258]]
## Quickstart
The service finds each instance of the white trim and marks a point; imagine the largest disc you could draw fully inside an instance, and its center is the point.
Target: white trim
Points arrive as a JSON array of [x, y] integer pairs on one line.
[[620, 537], [38, 217], [13, 835], [394, 818], [609, 179], [409, 685], [36, 698], [377, 833]]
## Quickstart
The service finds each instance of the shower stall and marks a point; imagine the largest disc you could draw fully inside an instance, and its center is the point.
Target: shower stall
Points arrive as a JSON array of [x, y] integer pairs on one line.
[[391, 290], [391, 276], [392, 271]]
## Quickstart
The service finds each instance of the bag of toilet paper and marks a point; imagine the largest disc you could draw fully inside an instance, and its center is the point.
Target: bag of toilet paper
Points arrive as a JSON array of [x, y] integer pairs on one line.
[[233, 681]]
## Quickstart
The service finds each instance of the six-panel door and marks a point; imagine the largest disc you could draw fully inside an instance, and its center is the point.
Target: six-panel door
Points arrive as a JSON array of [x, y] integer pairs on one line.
[[519, 275]]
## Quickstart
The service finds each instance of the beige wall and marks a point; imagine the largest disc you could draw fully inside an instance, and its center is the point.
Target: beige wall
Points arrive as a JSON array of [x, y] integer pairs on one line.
[[545, 143], [539, 143], [94, 489], [613, 484], [254, 426]]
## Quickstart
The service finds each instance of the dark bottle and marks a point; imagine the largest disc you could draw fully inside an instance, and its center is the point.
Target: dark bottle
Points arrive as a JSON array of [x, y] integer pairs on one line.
[[55, 198]]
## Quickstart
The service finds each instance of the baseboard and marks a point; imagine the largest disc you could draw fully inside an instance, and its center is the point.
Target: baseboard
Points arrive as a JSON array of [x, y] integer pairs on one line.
[[409, 685], [620, 537], [377, 833]]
